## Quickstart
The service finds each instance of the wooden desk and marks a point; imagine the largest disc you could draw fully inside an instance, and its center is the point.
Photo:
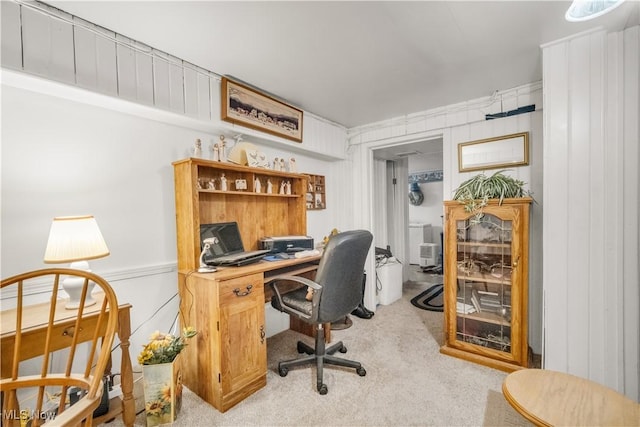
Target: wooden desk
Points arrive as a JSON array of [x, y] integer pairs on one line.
[[228, 360], [35, 322], [549, 398]]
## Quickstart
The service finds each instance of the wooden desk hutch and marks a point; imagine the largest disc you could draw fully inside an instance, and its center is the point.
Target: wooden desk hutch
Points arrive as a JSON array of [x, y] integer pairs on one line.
[[228, 361]]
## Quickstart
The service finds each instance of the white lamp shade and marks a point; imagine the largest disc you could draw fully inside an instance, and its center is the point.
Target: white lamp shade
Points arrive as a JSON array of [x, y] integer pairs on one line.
[[74, 238]]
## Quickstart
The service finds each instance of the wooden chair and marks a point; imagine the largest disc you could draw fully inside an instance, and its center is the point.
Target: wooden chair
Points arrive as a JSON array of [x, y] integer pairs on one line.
[[84, 337]]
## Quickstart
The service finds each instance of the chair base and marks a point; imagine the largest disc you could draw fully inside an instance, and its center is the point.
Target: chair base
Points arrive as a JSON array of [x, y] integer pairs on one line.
[[320, 356]]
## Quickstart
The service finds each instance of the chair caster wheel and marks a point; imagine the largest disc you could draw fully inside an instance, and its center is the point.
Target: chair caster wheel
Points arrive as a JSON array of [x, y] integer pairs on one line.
[[300, 348], [283, 371], [343, 349], [323, 389], [361, 371]]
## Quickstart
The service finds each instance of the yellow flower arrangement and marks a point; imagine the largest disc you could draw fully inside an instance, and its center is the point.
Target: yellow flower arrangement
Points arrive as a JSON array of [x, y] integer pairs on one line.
[[164, 348]]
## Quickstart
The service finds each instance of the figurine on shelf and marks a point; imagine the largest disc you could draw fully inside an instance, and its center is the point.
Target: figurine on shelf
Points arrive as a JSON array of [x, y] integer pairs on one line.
[[222, 145], [283, 168], [292, 165], [215, 150], [212, 184], [197, 148], [269, 186], [257, 185], [289, 187], [223, 183], [283, 187], [276, 164]]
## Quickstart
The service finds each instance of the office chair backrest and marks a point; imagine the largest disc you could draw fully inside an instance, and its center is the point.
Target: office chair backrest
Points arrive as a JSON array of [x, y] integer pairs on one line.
[[340, 273]]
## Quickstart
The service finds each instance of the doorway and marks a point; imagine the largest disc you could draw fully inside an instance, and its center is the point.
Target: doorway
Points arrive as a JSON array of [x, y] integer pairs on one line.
[[394, 213]]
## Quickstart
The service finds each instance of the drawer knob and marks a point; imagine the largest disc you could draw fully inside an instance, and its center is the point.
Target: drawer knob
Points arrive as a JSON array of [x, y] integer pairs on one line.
[[243, 294], [70, 331]]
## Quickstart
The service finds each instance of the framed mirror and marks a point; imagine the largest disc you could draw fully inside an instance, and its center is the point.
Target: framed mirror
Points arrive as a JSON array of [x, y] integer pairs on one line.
[[493, 153]]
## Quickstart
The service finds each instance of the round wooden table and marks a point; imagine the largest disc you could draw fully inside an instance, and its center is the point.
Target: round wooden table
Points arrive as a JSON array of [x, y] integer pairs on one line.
[[549, 398]]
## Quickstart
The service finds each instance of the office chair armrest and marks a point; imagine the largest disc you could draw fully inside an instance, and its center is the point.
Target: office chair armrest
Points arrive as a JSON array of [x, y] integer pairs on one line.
[[317, 291]]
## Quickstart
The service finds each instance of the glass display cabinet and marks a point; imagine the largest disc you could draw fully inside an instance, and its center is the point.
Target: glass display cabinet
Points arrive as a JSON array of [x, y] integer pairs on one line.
[[486, 283]]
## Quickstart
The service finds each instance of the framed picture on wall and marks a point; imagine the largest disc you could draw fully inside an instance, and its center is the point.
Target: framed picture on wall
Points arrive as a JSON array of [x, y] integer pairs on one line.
[[248, 107], [493, 153]]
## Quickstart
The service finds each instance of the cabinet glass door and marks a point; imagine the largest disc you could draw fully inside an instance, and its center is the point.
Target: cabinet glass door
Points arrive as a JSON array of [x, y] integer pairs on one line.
[[484, 281]]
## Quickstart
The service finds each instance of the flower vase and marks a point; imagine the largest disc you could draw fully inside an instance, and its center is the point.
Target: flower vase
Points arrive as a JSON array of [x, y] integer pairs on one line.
[[162, 392]]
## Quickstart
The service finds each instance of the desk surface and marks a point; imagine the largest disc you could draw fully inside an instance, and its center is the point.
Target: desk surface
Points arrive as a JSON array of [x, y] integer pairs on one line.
[[286, 266], [549, 398]]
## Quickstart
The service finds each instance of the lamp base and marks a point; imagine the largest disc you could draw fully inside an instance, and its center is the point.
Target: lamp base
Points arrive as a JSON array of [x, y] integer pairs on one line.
[[74, 305], [73, 287]]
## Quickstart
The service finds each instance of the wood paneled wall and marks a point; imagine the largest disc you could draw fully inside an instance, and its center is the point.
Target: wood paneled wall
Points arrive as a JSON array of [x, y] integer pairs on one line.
[[591, 159]]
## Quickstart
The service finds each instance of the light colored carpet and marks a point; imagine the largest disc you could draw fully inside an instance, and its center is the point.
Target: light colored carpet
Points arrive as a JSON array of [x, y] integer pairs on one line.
[[500, 413], [408, 382]]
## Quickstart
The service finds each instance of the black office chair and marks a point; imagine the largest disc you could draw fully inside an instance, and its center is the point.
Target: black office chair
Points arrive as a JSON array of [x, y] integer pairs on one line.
[[337, 291]]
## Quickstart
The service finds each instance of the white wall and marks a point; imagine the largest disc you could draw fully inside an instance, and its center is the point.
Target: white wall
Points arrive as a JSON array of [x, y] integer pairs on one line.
[[591, 197]]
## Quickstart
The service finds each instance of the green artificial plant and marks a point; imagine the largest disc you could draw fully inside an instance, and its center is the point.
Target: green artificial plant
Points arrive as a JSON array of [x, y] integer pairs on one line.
[[475, 192]]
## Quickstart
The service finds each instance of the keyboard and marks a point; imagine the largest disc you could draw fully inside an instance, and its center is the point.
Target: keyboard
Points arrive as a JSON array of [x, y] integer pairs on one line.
[[239, 258]]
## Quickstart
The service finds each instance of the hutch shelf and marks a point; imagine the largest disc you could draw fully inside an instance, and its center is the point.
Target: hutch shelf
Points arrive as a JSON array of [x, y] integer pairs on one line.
[[486, 283]]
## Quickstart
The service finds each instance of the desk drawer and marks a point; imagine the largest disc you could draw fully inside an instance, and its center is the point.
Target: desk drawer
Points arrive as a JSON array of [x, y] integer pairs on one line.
[[241, 287]]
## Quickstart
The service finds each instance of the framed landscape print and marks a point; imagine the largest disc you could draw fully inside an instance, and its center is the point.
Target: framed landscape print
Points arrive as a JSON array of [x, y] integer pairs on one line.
[[246, 106]]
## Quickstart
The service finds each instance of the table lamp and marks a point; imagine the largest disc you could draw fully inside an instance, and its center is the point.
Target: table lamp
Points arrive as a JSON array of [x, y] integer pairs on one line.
[[75, 239]]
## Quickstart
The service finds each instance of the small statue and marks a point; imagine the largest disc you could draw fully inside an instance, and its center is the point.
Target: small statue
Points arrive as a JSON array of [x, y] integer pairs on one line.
[[215, 153], [212, 184], [276, 164], [269, 187], [257, 186], [283, 168], [223, 154], [288, 188], [197, 149], [223, 183], [283, 187], [292, 165]]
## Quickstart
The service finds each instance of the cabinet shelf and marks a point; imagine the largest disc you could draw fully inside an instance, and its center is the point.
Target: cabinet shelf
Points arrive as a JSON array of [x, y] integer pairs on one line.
[[477, 244], [249, 193], [486, 279]]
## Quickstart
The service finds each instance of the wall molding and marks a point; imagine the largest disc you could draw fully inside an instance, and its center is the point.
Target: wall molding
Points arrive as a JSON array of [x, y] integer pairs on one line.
[[43, 286]]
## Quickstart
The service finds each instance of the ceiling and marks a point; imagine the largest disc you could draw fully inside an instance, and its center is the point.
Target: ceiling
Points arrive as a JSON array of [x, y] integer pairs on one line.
[[358, 62]]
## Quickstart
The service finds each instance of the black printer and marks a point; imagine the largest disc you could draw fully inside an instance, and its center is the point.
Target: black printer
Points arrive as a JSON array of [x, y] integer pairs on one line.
[[286, 244]]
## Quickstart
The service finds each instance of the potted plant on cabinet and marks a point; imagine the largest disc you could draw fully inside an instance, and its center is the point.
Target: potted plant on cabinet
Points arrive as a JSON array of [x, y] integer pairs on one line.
[[476, 192]]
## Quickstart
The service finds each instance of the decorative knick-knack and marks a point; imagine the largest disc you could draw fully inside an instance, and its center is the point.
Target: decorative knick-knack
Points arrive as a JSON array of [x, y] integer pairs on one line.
[[223, 183], [223, 153], [276, 164], [197, 148], [292, 165], [215, 152], [257, 186], [212, 184], [269, 187], [283, 187], [288, 188]]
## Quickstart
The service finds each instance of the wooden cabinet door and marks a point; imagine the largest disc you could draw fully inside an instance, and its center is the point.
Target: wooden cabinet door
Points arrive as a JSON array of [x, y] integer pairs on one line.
[[243, 340]]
